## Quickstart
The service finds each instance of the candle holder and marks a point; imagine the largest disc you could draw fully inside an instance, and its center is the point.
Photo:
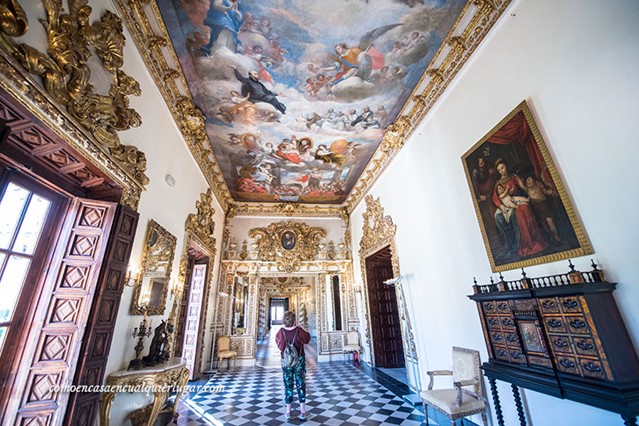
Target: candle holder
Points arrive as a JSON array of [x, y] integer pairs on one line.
[[140, 332]]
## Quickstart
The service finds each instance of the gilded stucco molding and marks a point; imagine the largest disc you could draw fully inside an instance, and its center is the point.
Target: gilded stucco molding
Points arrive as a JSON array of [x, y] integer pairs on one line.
[[468, 31], [271, 244], [286, 210], [66, 76], [199, 229], [144, 22]]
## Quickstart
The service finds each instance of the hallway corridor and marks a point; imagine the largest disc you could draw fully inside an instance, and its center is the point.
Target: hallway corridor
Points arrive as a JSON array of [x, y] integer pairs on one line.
[[338, 394]]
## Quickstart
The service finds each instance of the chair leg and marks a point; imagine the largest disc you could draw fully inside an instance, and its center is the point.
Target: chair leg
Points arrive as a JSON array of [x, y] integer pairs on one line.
[[484, 418], [426, 414]]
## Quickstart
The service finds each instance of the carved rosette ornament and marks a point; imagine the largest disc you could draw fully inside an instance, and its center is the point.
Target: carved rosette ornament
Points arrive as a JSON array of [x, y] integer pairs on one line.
[[64, 69], [287, 244]]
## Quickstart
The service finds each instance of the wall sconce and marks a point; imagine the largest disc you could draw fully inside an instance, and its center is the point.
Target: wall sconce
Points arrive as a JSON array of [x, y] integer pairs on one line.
[[131, 277], [174, 287]]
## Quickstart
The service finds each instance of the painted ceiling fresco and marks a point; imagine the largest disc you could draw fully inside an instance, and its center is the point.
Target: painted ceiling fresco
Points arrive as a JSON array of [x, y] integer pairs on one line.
[[297, 93]]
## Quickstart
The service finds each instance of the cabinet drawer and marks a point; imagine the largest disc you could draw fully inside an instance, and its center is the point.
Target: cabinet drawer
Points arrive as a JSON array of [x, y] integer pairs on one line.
[[507, 323], [501, 353], [570, 305], [492, 321], [577, 324], [489, 307], [585, 346], [592, 368], [512, 340], [560, 343], [517, 356], [503, 307], [568, 364], [555, 324], [549, 306], [497, 337]]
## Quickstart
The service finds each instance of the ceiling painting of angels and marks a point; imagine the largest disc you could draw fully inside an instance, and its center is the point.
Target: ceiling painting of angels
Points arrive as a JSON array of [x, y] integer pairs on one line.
[[297, 93]]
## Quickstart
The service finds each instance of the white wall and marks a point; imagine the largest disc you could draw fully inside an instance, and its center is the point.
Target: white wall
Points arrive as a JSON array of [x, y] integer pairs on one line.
[[575, 62]]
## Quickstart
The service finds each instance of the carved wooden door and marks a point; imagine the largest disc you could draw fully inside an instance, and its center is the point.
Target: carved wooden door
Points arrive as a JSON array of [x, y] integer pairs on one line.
[[190, 349], [83, 406], [50, 357], [384, 314], [184, 304]]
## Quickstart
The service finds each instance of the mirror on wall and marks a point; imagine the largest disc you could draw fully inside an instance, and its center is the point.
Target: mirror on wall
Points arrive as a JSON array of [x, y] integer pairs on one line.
[[152, 284], [334, 304], [240, 304]]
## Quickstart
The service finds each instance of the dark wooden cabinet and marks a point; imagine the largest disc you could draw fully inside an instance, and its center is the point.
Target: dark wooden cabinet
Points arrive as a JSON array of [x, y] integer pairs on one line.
[[563, 336]]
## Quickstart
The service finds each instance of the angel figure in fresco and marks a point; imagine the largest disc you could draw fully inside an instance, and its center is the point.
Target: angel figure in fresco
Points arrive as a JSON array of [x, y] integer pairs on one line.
[[333, 155], [236, 104], [359, 61]]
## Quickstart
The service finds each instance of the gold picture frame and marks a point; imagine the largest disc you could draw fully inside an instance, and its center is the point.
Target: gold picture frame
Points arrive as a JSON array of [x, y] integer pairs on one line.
[[152, 284], [524, 212]]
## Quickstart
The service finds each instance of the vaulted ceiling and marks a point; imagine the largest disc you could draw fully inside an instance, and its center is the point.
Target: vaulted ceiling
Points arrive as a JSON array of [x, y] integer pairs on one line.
[[298, 97], [339, 72]]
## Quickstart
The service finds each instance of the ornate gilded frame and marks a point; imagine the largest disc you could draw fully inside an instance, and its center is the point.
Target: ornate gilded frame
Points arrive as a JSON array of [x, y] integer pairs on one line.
[[271, 248], [379, 232], [151, 257], [199, 229], [485, 149]]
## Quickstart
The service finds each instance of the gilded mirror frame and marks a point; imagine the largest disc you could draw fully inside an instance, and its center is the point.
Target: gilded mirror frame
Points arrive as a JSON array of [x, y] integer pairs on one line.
[[159, 249]]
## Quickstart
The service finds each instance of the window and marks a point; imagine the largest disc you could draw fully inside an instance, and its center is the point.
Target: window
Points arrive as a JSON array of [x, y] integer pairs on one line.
[[26, 214]]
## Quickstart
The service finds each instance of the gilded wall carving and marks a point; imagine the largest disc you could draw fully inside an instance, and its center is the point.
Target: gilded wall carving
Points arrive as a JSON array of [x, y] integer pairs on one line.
[[72, 43], [287, 243], [199, 228]]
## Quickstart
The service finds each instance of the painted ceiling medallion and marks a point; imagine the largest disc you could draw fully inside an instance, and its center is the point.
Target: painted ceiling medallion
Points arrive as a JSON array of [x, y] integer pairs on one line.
[[287, 244], [296, 96]]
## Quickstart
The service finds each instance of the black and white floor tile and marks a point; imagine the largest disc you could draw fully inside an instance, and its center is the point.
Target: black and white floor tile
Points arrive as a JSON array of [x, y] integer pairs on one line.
[[337, 394]]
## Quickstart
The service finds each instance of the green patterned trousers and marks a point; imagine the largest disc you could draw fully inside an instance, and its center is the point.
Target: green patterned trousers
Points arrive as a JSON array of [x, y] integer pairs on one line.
[[295, 377]]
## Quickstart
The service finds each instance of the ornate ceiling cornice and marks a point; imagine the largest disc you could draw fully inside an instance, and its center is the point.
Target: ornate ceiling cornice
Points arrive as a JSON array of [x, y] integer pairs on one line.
[[286, 210], [143, 19], [144, 22]]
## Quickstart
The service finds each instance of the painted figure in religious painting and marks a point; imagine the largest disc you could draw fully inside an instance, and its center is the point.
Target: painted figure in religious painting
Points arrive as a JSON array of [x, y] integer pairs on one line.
[[257, 92], [225, 20]]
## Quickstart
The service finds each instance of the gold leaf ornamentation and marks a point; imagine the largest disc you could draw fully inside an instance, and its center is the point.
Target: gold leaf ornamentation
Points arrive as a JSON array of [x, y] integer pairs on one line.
[[66, 76], [288, 258]]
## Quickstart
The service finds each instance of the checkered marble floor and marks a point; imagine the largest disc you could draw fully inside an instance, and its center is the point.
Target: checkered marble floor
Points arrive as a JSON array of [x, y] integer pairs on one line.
[[337, 394]]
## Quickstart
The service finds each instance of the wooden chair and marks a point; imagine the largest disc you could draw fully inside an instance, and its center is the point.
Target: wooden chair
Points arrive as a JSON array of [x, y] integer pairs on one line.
[[352, 344], [465, 398], [224, 351]]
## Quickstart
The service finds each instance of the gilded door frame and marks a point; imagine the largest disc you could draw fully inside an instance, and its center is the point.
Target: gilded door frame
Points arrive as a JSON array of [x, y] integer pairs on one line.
[[379, 233]]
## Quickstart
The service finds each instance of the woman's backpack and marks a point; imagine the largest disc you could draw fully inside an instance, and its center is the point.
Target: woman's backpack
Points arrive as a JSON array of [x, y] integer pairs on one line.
[[290, 357]]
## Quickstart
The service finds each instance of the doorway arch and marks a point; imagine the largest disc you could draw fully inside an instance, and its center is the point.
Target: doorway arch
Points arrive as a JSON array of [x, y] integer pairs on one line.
[[378, 241]]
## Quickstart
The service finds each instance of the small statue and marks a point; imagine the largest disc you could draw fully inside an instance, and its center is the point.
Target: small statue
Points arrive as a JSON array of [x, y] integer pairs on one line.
[[157, 350]]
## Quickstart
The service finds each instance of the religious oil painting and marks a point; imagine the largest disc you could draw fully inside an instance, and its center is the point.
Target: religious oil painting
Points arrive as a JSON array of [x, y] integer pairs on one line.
[[525, 215], [531, 337], [288, 240], [297, 94]]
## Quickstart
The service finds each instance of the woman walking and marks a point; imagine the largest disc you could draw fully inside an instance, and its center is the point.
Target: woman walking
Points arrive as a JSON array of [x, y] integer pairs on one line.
[[294, 363]]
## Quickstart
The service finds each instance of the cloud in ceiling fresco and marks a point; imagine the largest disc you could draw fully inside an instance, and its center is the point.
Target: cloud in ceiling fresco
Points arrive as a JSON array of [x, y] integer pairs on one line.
[[297, 94]]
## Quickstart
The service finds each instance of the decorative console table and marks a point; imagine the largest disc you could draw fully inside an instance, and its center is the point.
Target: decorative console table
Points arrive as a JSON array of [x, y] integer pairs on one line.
[[160, 379], [561, 335]]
